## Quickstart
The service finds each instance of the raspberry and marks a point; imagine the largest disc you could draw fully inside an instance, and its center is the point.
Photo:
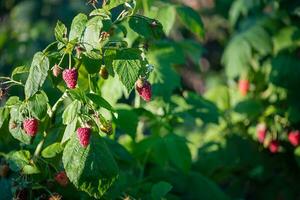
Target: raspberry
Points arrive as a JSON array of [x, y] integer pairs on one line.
[[294, 138], [56, 70], [84, 134], [30, 126], [70, 77], [143, 87], [274, 146], [244, 86], [261, 131], [103, 72], [4, 169], [61, 178]]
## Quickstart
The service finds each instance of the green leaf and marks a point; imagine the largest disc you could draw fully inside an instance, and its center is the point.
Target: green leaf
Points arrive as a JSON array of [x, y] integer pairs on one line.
[[71, 112], [178, 152], [37, 105], [207, 111], [52, 150], [115, 3], [287, 37], [13, 100], [99, 101], [19, 70], [37, 74], [15, 125], [146, 27], [92, 33], [236, 56], [69, 131], [60, 32], [92, 169], [20, 161], [164, 79], [165, 15], [285, 71], [127, 120], [77, 27], [191, 20], [119, 152], [259, 39], [4, 114], [127, 64], [250, 108], [160, 189]]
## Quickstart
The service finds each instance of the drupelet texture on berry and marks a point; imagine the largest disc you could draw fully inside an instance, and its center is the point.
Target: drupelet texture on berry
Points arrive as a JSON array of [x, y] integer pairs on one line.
[[144, 89], [70, 76], [30, 126], [84, 134]]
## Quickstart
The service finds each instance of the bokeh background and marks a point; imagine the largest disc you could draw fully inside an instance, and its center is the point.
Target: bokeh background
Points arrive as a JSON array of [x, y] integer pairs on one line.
[[253, 40]]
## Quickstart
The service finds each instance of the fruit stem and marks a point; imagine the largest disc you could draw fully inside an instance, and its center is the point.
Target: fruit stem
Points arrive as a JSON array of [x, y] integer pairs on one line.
[[39, 147], [70, 61], [61, 99]]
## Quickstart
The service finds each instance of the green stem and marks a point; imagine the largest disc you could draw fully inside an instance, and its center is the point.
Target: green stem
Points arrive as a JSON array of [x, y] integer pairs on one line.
[[14, 82], [70, 61], [61, 59], [48, 47], [39, 147], [145, 7]]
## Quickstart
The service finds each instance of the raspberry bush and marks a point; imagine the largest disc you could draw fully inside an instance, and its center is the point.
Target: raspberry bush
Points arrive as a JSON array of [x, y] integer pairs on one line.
[[133, 101]]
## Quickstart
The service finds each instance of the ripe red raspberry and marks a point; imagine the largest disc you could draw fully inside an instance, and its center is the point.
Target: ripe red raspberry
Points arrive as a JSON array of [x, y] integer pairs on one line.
[[261, 131], [61, 178], [84, 134], [56, 70], [274, 146], [244, 86], [30, 126], [143, 87], [70, 77], [294, 138]]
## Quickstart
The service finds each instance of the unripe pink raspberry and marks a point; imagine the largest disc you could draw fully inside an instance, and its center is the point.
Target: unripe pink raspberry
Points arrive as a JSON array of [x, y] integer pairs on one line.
[[143, 87], [294, 138], [61, 178], [244, 86], [84, 134], [56, 70], [261, 131], [30, 126], [70, 76], [274, 146]]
